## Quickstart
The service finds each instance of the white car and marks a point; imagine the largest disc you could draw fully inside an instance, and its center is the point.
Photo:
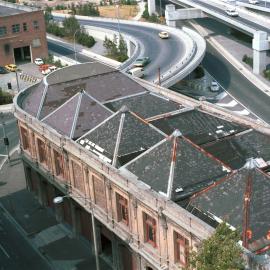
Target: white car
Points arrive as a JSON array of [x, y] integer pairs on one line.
[[163, 35], [253, 2], [214, 86], [136, 72], [38, 61], [231, 12]]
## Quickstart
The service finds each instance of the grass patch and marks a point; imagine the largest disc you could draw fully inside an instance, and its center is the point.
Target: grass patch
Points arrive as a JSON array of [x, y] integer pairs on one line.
[[125, 11]]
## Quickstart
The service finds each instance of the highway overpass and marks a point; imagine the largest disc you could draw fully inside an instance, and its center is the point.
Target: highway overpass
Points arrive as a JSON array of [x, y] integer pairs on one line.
[[246, 22]]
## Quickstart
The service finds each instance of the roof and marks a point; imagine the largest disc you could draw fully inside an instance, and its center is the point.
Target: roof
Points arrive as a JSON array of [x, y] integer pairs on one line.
[[78, 115], [198, 126], [146, 105], [225, 200], [235, 150], [7, 11], [121, 137], [96, 86], [177, 167]]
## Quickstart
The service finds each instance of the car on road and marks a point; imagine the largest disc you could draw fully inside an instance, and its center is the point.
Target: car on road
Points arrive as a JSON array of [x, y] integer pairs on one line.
[[48, 69], [38, 61], [136, 72], [253, 2], [163, 35], [141, 62], [11, 67], [3, 70], [232, 12], [214, 86]]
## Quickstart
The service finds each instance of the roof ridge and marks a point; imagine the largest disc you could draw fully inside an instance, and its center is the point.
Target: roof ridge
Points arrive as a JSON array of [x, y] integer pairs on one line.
[[61, 106]]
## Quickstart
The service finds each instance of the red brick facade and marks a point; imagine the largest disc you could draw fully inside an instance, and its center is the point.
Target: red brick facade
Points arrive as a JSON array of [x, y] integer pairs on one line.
[[22, 30]]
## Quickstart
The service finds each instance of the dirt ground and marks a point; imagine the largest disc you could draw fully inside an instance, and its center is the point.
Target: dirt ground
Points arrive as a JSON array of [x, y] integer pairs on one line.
[[125, 11]]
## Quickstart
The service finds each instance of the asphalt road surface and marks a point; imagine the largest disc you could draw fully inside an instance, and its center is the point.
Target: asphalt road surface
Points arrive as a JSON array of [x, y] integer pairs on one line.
[[15, 252], [236, 84], [163, 53]]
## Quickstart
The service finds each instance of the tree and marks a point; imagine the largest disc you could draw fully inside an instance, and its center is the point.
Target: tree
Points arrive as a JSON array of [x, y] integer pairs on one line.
[[219, 252], [71, 25]]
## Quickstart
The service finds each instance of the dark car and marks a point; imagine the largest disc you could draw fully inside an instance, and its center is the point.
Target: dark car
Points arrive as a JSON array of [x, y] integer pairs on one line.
[[141, 62], [3, 70]]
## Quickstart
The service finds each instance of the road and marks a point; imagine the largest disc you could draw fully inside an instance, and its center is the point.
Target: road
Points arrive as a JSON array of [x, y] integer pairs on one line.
[[11, 130], [261, 3], [236, 84], [221, 11], [15, 252], [57, 48], [163, 53]]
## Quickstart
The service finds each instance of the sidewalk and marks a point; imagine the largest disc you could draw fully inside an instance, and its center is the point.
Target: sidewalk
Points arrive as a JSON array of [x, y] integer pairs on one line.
[[52, 240]]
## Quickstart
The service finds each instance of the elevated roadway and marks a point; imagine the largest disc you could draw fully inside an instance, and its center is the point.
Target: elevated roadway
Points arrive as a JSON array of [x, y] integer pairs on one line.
[[176, 57]]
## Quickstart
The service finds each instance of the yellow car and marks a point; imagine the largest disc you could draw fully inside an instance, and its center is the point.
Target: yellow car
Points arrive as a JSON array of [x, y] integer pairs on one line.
[[11, 67]]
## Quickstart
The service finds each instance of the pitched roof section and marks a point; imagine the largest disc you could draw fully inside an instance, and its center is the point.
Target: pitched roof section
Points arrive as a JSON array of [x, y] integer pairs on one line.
[[176, 167], [146, 105], [77, 116], [32, 102], [102, 87], [198, 126], [121, 137], [226, 200], [237, 149]]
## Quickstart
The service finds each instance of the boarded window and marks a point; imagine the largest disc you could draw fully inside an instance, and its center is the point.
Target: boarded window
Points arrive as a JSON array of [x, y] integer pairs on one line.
[[181, 249], [78, 176], [122, 209], [99, 192], [150, 230], [58, 163], [42, 155], [25, 138]]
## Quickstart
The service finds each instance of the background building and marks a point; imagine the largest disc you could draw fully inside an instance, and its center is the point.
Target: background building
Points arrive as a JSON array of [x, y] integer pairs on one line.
[[22, 34], [129, 155]]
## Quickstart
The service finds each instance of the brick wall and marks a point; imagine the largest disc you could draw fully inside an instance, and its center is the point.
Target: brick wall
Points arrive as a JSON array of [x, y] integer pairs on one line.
[[33, 37]]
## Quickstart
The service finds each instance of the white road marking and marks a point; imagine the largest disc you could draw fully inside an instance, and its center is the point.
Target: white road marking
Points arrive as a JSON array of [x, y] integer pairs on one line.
[[4, 251]]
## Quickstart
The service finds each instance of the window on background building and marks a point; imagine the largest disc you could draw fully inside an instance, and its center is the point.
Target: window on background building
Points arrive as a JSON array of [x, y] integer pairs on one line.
[[122, 209], [150, 230], [3, 31], [15, 28], [35, 25], [25, 138], [25, 28], [59, 164], [41, 151], [181, 249]]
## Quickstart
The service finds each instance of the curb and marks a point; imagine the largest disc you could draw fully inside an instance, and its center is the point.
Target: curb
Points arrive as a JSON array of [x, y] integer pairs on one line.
[[239, 66]]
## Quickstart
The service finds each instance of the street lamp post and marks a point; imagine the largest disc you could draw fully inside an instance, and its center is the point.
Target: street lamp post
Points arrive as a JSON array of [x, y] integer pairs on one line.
[[5, 138], [74, 44], [117, 8], [59, 199]]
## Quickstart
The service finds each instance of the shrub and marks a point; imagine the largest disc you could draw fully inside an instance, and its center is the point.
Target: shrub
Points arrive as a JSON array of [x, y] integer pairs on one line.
[[248, 60], [5, 97], [266, 74]]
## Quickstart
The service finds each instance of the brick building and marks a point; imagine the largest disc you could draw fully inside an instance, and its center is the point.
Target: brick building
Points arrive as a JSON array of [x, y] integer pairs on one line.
[[22, 34], [141, 166]]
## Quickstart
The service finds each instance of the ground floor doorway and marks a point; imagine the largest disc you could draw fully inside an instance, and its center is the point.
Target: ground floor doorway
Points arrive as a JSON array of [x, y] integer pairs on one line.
[[22, 55]]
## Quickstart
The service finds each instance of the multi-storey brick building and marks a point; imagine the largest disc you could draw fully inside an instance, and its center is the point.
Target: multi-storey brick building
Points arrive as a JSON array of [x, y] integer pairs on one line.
[[22, 34], [129, 155]]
